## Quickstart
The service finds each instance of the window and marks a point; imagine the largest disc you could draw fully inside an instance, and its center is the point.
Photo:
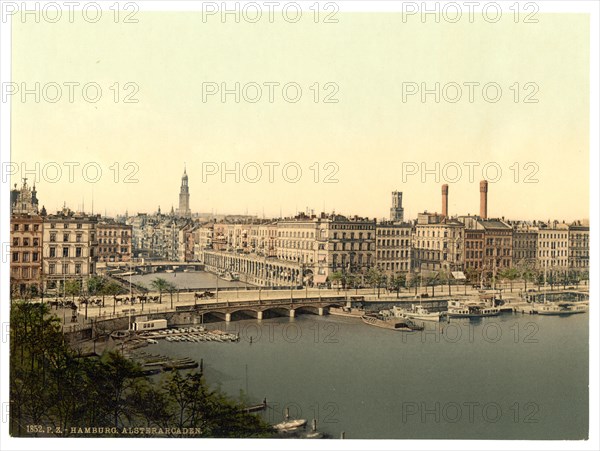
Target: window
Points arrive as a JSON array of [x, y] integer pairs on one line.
[[16, 227], [26, 227], [52, 252], [65, 237], [15, 257], [36, 227], [78, 238], [36, 242], [77, 252], [53, 237], [78, 268], [65, 251], [35, 256], [25, 241], [65, 268], [65, 226], [52, 268], [15, 241], [25, 257], [79, 226], [25, 273]]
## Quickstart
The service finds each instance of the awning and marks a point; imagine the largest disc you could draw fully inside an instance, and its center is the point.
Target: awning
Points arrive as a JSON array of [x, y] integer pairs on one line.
[[458, 275]]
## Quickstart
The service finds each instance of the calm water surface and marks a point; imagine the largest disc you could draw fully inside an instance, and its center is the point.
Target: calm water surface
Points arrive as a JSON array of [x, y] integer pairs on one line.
[[508, 377]]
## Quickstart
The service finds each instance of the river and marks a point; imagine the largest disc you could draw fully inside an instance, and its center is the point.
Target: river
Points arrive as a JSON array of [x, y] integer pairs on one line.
[[508, 377]]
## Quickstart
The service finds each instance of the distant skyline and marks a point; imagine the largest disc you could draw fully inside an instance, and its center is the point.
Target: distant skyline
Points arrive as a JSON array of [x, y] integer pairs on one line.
[[368, 134]]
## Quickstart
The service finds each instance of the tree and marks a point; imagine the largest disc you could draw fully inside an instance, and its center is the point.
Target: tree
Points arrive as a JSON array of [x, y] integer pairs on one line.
[[160, 285], [375, 278], [338, 278], [170, 288], [397, 282], [72, 287], [510, 274], [51, 385]]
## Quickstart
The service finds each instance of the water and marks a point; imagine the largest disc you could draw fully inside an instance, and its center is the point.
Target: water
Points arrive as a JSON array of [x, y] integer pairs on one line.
[[507, 377]]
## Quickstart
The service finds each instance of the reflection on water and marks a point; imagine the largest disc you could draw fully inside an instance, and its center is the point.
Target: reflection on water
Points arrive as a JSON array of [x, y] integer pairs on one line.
[[507, 377]]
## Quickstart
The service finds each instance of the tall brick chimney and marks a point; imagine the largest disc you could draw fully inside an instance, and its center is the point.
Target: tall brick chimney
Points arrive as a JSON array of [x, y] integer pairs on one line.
[[483, 189], [445, 201]]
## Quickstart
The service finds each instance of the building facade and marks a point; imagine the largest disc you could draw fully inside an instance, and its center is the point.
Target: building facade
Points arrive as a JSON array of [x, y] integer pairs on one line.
[[70, 249], [393, 247], [114, 241]]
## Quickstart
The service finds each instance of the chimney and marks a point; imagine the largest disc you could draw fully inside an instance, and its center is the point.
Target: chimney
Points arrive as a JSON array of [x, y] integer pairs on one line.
[[445, 201], [483, 189]]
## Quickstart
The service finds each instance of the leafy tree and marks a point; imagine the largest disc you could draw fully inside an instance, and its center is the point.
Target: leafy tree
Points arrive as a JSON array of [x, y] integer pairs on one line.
[[375, 278], [160, 285], [397, 282], [72, 287], [510, 274]]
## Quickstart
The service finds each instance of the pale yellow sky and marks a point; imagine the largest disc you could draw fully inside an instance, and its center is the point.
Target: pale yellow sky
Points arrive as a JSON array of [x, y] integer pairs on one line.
[[369, 133]]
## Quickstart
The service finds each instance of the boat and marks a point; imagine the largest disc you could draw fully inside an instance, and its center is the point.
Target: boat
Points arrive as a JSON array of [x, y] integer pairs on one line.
[[417, 312], [561, 308], [290, 425], [460, 309], [352, 312], [151, 341], [402, 324]]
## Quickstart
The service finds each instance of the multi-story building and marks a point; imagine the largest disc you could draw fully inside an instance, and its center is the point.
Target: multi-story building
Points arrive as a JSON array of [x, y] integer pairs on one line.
[[26, 237], [437, 243], [184, 197], [26, 254], [497, 244], [393, 247], [70, 249], [579, 247], [525, 240], [553, 247], [114, 241], [474, 245]]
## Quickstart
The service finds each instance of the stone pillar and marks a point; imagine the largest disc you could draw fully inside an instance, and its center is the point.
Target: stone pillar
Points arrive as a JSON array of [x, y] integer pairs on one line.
[[292, 313], [321, 311], [259, 315], [227, 317]]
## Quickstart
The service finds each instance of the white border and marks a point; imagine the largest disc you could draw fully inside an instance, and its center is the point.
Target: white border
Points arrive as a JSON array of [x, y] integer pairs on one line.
[[8, 443]]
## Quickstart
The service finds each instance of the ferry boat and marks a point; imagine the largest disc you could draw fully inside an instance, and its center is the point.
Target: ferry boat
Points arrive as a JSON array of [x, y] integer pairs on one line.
[[352, 312], [403, 324], [459, 309], [561, 308], [417, 312]]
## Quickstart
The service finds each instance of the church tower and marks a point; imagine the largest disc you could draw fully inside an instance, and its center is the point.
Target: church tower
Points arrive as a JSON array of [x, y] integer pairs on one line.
[[184, 197]]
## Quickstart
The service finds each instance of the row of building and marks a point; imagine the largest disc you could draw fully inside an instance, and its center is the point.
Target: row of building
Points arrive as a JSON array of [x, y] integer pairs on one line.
[[47, 249]]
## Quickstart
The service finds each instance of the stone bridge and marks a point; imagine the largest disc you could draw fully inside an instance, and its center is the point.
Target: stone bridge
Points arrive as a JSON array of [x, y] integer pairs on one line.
[[227, 311]]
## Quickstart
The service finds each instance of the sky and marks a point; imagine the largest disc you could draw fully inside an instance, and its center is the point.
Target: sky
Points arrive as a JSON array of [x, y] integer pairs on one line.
[[356, 132]]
